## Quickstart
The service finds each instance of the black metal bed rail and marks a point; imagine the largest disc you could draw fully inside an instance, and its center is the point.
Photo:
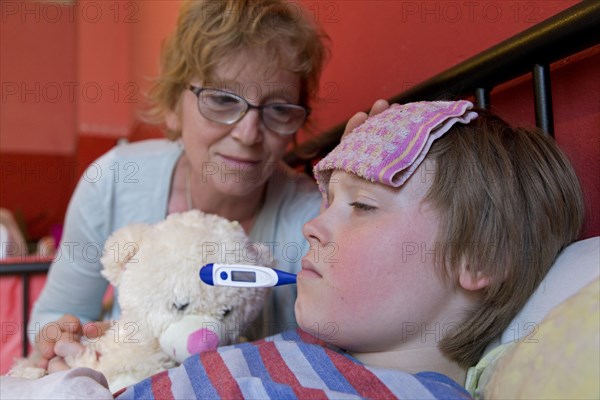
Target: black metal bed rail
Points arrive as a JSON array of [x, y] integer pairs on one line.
[[531, 51], [25, 268]]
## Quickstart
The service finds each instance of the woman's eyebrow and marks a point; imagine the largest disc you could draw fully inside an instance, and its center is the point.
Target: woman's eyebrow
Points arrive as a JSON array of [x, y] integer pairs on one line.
[[254, 92], [216, 82]]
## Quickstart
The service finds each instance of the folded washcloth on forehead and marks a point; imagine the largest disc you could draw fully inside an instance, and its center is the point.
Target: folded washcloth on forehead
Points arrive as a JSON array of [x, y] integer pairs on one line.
[[389, 147]]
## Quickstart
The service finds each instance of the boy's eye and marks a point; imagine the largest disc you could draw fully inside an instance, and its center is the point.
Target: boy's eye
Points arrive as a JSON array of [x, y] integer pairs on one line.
[[362, 206]]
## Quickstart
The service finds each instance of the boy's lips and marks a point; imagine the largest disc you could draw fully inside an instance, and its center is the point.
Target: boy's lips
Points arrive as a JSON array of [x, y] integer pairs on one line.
[[308, 269]]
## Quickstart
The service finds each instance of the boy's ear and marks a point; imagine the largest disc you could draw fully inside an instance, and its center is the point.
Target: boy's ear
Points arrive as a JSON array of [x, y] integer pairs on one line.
[[472, 281]]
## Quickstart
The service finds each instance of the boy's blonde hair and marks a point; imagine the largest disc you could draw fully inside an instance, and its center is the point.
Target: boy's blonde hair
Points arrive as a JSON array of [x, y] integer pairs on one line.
[[509, 202], [210, 32]]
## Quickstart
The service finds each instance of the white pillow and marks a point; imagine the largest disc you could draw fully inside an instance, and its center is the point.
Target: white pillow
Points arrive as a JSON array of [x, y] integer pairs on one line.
[[575, 267]]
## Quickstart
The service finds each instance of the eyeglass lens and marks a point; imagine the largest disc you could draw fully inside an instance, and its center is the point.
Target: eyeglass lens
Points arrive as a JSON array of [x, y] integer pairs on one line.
[[220, 106]]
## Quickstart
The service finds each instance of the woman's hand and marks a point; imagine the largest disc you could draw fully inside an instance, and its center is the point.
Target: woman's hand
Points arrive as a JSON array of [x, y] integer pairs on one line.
[[60, 339], [360, 117]]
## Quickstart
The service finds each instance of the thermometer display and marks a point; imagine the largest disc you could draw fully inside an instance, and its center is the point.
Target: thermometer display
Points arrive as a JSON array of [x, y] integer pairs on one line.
[[243, 276]]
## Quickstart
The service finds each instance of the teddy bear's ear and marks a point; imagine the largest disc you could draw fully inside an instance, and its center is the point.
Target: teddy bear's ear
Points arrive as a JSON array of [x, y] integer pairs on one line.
[[121, 248]]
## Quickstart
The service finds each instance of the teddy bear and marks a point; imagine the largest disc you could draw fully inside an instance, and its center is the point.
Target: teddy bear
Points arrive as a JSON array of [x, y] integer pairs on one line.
[[167, 313]]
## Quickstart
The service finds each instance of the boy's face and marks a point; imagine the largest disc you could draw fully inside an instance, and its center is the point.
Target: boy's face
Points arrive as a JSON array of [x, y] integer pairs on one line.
[[368, 282]]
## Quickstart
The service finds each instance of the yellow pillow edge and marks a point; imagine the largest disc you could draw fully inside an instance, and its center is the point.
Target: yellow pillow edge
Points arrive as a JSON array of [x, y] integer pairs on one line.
[[561, 359]]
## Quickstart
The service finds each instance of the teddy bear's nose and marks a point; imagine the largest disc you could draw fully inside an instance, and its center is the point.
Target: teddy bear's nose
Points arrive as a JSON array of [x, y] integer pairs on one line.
[[180, 307]]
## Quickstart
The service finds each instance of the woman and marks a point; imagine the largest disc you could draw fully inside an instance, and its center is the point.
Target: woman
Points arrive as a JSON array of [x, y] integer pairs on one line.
[[235, 85]]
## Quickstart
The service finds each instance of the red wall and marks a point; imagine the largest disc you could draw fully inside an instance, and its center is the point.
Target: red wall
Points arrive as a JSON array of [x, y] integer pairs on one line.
[[381, 48], [38, 65], [103, 56]]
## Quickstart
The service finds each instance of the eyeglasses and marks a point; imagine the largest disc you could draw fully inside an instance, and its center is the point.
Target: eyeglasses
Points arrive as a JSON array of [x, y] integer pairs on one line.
[[228, 108]]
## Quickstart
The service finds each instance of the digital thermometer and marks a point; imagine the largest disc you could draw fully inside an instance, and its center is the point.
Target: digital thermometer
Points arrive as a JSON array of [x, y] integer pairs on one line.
[[239, 275]]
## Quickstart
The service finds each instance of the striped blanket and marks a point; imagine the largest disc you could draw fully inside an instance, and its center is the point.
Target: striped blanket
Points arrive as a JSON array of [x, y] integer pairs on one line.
[[293, 365]]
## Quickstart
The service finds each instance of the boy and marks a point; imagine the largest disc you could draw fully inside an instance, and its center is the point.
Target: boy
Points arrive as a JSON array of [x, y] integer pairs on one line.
[[438, 222]]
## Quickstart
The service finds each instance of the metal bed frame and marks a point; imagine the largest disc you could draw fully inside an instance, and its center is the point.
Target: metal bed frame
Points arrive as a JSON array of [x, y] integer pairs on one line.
[[531, 51], [25, 268]]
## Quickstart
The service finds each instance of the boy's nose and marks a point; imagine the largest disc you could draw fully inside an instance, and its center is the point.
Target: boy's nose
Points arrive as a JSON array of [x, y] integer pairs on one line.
[[248, 130], [314, 230]]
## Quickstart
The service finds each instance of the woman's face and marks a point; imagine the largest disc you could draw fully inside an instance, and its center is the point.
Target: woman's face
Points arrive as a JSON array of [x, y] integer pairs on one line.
[[238, 159], [368, 282]]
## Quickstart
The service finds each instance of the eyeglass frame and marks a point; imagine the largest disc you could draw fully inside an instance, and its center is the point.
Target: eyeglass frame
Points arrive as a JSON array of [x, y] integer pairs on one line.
[[197, 90]]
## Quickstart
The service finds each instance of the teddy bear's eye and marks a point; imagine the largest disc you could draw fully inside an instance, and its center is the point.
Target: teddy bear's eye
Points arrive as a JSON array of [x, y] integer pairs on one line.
[[226, 312], [180, 306]]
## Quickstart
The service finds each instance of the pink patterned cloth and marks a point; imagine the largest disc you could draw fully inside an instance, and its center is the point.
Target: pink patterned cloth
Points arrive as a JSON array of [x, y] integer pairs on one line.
[[388, 147]]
